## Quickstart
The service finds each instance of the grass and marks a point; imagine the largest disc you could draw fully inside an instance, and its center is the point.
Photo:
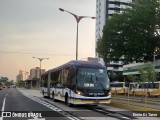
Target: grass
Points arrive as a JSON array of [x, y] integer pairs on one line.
[[132, 107], [136, 100]]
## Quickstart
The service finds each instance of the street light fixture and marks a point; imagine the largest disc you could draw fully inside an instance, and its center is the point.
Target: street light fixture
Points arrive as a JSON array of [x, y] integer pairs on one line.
[[78, 18], [40, 59]]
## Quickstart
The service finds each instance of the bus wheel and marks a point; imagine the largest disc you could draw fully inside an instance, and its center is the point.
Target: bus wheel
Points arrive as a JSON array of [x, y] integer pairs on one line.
[[53, 97], [67, 101]]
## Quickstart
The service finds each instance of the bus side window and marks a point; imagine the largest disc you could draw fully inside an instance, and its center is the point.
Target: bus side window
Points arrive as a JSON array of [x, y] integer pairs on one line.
[[71, 78], [156, 85], [65, 76], [60, 79], [54, 78], [45, 84], [140, 86], [59, 85]]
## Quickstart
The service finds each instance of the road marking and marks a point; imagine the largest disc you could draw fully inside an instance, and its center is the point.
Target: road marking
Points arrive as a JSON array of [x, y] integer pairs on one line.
[[126, 118], [54, 108], [3, 106], [4, 101]]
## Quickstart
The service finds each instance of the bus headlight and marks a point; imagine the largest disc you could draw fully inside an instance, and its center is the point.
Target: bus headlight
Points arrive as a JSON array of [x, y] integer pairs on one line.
[[79, 92]]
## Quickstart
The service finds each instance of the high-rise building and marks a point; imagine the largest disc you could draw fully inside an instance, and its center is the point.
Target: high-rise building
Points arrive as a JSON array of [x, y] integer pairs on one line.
[[104, 11], [35, 72], [19, 77]]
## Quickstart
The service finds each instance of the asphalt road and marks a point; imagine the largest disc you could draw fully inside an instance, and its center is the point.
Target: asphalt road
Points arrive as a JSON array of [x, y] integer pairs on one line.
[[25, 101], [11, 100]]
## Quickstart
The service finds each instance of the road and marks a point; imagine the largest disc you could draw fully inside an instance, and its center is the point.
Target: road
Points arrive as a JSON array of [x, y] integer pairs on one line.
[[11, 100], [23, 100]]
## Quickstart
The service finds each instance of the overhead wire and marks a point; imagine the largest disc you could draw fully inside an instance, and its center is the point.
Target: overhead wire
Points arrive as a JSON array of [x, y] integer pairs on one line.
[[9, 52]]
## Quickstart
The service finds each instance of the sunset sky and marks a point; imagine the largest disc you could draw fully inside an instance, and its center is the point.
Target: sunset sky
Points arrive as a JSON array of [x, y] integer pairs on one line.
[[36, 28]]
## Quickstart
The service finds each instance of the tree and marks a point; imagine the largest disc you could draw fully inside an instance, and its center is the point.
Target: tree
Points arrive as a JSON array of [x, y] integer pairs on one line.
[[133, 35], [148, 74], [133, 78]]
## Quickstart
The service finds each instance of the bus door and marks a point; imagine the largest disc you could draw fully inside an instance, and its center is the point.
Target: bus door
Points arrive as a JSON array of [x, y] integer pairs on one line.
[[59, 91]]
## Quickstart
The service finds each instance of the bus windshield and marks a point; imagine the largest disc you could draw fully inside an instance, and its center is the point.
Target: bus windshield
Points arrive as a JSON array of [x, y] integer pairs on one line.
[[117, 85], [92, 79]]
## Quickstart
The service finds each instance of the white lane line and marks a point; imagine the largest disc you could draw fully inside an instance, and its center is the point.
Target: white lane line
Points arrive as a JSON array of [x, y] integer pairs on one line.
[[4, 101], [3, 106]]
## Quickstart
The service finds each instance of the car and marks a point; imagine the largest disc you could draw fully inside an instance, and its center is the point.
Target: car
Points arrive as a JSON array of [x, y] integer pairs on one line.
[[13, 86]]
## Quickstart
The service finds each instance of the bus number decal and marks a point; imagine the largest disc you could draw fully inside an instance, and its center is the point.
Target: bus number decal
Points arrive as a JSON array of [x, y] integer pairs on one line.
[[88, 85]]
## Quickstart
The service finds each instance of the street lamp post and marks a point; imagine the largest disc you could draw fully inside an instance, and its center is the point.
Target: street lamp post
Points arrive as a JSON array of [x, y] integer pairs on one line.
[[78, 18], [40, 59], [154, 55]]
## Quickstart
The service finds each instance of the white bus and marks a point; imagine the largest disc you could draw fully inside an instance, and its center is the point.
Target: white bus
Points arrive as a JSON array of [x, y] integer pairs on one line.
[[77, 82]]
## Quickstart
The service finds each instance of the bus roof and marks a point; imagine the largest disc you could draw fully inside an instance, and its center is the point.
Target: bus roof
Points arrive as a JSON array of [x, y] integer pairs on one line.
[[78, 63], [85, 63], [116, 82]]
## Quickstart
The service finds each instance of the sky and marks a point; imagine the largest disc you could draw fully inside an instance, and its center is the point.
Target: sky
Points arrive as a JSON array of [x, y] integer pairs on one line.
[[37, 28]]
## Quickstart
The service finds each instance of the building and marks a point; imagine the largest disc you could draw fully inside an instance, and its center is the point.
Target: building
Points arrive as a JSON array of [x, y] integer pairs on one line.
[[35, 72], [19, 77], [104, 11], [133, 68], [3, 78]]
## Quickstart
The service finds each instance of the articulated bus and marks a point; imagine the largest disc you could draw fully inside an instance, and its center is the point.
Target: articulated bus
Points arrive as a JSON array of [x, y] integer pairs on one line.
[[77, 82], [145, 88]]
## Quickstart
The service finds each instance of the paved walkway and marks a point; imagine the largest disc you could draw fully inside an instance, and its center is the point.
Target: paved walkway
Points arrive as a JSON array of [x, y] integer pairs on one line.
[[30, 92]]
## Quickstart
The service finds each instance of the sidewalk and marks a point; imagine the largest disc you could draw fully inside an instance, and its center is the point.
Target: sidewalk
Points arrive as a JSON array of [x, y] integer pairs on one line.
[[30, 92]]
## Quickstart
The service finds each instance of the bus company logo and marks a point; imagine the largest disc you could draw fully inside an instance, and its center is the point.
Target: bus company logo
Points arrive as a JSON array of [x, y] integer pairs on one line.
[[88, 85], [6, 114]]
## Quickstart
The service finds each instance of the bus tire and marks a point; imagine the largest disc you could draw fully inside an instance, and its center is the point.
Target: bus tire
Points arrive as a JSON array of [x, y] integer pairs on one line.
[[67, 101], [54, 97]]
